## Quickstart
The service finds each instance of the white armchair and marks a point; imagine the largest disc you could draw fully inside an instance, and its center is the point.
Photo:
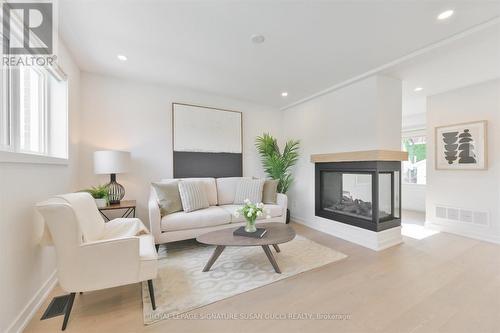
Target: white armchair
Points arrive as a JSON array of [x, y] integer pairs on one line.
[[92, 254]]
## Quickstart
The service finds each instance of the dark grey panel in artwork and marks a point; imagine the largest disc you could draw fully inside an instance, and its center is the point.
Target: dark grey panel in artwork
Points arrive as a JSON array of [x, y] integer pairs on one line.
[[197, 164]]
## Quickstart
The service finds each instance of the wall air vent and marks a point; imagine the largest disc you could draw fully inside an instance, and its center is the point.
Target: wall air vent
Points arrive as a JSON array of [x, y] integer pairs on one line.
[[453, 214], [441, 212], [480, 218], [467, 216]]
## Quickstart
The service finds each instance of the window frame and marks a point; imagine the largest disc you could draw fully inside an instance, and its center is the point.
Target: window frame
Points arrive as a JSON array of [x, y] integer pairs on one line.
[[12, 152]]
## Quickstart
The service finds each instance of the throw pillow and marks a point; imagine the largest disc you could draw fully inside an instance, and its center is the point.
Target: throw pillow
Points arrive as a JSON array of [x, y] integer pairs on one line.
[[270, 192], [250, 189], [168, 195], [193, 195]]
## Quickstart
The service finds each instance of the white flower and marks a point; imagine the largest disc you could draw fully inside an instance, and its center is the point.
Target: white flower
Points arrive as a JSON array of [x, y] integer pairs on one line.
[[249, 214], [268, 216], [259, 213], [247, 201], [236, 214], [260, 205]]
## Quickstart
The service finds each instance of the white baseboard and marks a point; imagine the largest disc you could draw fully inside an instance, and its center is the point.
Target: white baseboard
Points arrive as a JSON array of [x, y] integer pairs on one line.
[[22, 320], [468, 232], [376, 241]]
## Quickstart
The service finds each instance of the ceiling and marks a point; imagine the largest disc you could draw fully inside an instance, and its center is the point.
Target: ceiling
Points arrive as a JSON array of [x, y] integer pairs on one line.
[[309, 45], [469, 60]]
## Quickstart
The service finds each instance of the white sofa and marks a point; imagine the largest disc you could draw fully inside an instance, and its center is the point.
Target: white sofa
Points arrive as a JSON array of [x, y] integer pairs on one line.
[[221, 192]]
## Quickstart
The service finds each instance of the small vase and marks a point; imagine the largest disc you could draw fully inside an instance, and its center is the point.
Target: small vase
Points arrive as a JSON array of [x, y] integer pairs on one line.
[[250, 226]]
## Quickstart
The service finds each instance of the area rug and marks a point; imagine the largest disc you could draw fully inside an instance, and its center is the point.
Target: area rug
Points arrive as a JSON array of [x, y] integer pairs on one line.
[[181, 285]]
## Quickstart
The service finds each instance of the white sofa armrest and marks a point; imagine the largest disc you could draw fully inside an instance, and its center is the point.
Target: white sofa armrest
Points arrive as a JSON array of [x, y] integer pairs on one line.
[[115, 261], [154, 216], [282, 200]]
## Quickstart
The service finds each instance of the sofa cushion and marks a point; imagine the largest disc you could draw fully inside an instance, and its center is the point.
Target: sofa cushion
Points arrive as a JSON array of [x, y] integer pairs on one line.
[[193, 195], [210, 188], [250, 189], [168, 196], [207, 217], [274, 211], [226, 189], [269, 193]]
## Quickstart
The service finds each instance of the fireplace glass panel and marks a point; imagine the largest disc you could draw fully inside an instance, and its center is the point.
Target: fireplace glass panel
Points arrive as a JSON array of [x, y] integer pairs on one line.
[[396, 195], [384, 196], [347, 193]]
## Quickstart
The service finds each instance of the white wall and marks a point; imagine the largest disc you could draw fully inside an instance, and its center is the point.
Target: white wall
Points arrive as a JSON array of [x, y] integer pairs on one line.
[[413, 197], [136, 117], [471, 190], [365, 115], [26, 268]]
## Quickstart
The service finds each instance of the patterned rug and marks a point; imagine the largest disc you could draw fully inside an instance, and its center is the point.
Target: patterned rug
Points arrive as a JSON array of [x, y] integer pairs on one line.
[[181, 285]]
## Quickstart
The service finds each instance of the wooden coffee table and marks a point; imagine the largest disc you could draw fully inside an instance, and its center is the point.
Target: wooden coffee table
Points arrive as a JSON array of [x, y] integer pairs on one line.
[[277, 233]]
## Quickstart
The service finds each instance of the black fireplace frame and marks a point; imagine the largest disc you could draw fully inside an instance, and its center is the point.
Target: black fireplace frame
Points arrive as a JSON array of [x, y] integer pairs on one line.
[[363, 167]]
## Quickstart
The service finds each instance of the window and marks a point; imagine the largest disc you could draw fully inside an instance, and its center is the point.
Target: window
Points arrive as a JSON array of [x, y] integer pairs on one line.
[[32, 110], [414, 170], [33, 113]]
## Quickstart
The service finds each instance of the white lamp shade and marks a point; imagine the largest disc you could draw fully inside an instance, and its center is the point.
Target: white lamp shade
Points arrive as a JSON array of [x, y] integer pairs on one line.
[[111, 161]]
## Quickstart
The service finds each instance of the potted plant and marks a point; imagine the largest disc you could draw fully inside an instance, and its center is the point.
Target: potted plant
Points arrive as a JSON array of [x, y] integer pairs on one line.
[[276, 164], [100, 195], [250, 211]]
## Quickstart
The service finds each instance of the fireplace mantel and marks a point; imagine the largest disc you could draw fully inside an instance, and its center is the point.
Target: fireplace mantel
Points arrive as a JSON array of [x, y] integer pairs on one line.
[[359, 156]]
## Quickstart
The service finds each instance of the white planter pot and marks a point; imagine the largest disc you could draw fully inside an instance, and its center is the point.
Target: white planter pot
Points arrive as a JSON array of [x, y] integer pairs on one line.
[[101, 203]]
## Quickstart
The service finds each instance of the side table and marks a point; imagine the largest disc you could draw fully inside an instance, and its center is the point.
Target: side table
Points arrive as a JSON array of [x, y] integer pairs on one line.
[[127, 205]]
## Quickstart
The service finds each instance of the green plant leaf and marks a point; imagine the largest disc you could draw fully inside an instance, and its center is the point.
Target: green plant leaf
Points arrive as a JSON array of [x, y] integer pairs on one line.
[[276, 165]]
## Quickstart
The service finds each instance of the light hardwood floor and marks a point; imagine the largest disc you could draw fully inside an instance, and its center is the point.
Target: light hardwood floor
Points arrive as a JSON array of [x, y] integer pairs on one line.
[[443, 283]]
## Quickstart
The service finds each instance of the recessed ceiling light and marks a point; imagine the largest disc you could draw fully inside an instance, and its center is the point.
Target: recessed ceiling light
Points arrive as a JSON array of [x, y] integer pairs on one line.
[[418, 89], [257, 39], [284, 94], [121, 57], [446, 14]]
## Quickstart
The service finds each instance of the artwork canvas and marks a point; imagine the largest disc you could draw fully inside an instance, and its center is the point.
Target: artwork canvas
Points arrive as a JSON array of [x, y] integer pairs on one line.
[[461, 146], [207, 141]]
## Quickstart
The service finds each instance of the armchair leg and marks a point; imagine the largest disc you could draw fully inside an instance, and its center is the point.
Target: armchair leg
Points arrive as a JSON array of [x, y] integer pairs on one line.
[[68, 310], [157, 247], [152, 294]]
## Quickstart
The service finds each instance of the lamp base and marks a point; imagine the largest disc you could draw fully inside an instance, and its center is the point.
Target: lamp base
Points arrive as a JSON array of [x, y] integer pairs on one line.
[[116, 191]]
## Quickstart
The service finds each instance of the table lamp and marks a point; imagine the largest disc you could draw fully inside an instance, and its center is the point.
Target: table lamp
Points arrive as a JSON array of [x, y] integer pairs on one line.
[[112, 162]]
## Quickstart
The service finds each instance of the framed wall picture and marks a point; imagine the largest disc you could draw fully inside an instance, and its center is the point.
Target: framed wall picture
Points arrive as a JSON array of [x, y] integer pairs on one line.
[[462, 146], [207, 141]]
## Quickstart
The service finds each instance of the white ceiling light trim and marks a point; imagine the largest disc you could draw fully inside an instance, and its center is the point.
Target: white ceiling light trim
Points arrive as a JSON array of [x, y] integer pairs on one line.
[[409, 56], [446, 14], [284, 94], [417, 89], [121, 57]]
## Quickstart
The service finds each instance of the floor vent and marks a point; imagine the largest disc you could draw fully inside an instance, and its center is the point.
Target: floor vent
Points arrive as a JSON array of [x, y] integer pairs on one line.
[[56, 307]]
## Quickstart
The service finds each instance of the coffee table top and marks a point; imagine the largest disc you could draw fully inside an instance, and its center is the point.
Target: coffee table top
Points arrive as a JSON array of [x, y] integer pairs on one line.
[[277, 233]]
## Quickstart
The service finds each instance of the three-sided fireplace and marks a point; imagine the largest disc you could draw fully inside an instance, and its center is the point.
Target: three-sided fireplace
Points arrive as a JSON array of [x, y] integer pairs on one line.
[[364, 194]]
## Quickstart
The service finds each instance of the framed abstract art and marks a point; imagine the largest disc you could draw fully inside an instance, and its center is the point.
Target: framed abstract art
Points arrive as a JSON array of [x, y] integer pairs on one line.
[[462, 146], [207, 141]]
